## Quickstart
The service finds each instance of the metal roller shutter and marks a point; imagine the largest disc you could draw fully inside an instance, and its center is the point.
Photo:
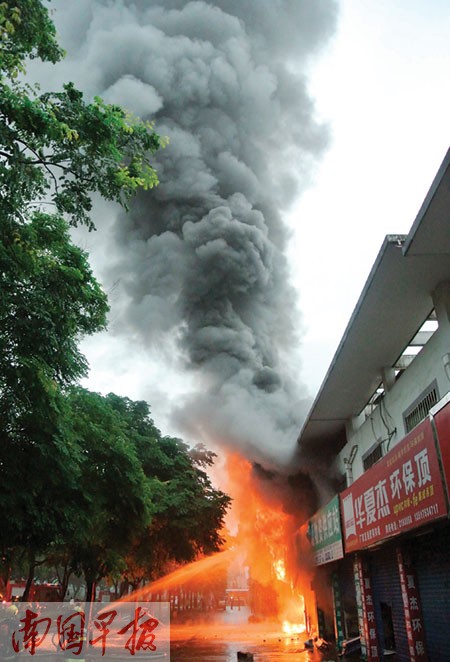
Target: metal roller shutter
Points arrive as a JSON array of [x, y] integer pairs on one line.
[[388, 602], [431, 554]]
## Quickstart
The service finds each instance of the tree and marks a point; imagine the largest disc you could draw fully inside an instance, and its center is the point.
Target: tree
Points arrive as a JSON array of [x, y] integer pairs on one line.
[[55, 150], [113, 489], [86, 479], [188, 512], [48, 297], [143, 502]]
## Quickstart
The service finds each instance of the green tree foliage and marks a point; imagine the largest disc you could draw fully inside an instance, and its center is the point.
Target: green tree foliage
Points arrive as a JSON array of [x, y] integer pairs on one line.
[[86, 481], [48, 298], [188, 510], [56, 149], [144, 501], [26, 31], [114, 494]]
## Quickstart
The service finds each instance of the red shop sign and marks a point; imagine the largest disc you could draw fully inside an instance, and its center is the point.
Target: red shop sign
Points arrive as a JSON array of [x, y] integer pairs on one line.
[[411, 606], [367, 620], [400, 492]]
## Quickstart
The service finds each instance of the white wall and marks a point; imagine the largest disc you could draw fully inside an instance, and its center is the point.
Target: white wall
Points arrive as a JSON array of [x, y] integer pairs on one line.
[[426, 367]]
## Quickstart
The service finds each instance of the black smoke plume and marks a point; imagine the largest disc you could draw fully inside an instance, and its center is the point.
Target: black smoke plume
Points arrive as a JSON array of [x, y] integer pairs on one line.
[[199, 264]]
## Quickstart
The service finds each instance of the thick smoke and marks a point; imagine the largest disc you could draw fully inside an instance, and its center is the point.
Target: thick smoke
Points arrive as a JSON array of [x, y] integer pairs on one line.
[[198, 263]]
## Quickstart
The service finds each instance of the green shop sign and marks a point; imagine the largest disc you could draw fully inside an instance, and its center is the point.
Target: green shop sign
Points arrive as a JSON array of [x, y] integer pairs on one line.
[[325, 535]]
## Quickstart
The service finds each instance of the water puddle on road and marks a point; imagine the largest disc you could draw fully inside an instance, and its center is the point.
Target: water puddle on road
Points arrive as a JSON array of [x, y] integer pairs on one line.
[[221, 641]]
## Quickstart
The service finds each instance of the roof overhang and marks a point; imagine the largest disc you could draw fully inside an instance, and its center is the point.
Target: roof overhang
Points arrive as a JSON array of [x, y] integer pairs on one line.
[[395, 301]]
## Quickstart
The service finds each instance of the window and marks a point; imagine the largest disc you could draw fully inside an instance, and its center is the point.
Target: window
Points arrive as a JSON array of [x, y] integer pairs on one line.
[[420, 407], [373, 455]]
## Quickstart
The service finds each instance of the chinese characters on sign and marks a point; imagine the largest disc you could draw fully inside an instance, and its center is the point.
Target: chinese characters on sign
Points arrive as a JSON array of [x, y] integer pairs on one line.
[[366, 610], [411, 605], [324, 531], [338, 609], [119, 629], [402, 491]]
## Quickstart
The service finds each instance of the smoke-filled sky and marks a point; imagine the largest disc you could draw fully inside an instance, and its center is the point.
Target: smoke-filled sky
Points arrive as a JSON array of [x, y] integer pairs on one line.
[[264, 101]]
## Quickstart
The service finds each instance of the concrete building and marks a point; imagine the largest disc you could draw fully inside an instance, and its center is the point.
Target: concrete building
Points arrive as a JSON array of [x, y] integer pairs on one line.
[[381, 419]]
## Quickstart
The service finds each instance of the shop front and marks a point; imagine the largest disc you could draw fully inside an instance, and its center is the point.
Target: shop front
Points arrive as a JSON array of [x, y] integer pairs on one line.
[[330, 587], [430, 552], [392, 517]]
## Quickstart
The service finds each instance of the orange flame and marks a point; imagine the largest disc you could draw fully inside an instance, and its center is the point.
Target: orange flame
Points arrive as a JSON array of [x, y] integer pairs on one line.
[[267, 539], [262, 565], [280, 570], [293, 628]]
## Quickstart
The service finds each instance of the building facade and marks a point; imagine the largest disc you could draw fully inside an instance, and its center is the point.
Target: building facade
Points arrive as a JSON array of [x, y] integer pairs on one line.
[[382, 420]]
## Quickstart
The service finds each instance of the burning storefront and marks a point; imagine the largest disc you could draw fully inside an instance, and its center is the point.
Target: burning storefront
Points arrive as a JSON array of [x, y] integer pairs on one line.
[[261, 579]]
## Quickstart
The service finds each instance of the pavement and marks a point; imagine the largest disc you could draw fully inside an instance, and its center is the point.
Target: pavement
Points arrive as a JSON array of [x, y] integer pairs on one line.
[[220, 637]]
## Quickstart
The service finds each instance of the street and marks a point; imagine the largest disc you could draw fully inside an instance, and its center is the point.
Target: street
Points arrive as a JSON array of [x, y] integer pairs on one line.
[[220, 641]]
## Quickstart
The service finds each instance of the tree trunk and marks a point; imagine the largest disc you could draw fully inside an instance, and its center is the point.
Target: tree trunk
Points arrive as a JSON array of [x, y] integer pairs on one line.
[[116, 584], [64, 584], [90, 589], [124, 587], [28, 585], [6, 564]]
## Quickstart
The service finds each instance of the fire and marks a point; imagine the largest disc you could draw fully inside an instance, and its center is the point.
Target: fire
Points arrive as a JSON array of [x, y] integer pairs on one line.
[[280, 570], [263, 575], [267, 538], [293, 628]]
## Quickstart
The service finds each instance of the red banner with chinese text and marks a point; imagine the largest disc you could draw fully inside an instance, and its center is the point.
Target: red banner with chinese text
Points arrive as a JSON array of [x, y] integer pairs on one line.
[[366, 615], [400, 492], [411, 606]]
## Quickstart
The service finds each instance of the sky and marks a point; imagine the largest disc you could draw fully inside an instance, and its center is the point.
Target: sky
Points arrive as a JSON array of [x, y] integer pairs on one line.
[[383, 85], [380, 88]]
